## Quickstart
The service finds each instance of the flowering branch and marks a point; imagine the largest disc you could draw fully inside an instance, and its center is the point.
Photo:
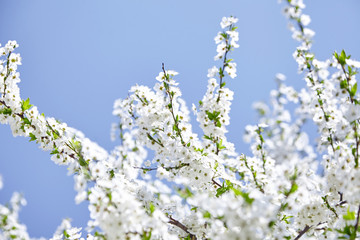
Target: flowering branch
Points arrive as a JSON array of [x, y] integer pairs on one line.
[[170, 106], [181, 226]]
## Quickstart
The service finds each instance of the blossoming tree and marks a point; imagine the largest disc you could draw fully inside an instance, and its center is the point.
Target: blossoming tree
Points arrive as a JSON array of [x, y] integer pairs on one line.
[[198, 186]]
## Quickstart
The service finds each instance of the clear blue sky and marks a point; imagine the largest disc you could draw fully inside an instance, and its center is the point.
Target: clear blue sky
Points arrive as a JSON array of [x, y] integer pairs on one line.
[[79, 56]]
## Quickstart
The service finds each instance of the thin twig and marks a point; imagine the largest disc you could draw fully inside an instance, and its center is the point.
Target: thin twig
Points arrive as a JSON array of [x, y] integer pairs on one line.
[[307, 228], [357, 220], [216, 183]]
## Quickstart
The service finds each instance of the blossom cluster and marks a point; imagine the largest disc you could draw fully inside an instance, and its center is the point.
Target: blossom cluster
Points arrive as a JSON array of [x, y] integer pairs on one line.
[[197, 186]]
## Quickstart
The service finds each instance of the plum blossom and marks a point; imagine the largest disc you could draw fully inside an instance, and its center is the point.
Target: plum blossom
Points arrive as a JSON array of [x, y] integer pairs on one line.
[[195, 185]]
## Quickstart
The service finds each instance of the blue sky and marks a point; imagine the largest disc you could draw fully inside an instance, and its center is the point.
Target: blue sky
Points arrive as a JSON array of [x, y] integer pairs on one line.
[[79, 56]]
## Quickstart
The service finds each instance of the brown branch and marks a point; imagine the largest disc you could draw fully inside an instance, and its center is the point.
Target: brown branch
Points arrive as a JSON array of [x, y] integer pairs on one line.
[[357, 221], [216, 183], [341, 201], [307, 228], [182, 227]]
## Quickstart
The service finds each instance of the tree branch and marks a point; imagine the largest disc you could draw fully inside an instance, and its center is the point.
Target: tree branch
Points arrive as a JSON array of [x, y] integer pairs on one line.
[[357, 220], [182, 227], [307, 228]]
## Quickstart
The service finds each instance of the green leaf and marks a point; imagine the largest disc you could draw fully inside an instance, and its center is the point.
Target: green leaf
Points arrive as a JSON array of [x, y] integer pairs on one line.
[[286, 219], [25, 104], [151, 207], [207, 215], [353, 151], [293, 188], [213, 116], [4, 220], [112, 173], [55, 151], [6, 111], [271, 224], [56, 135], [207, 137], [32, 137], [109, 196], [76, 145], [194, 209], [82, 162], [219, 145], [349, 216], [220, 191], [341, 58], [353, 90], [187, 237], [26, 121], [175, 128], [244, 195], [146, 236]]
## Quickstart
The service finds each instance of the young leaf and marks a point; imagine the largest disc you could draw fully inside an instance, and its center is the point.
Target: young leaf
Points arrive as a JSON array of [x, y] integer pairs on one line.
[[349, 216], [32, 137], [353, 90], [25, 104], [6, 111]]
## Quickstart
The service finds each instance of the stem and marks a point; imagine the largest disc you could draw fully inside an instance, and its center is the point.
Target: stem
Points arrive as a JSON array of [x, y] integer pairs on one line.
[[167, 87], [261, 147], [7, 72], [253, 174], [355, 126], [221, 75], [155, 140]]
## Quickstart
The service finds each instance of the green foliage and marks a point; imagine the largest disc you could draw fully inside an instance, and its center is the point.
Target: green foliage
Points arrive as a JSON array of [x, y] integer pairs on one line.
[[146, 236], [342, 57], [151, 207], [214, 116], [32, 137], [353, 90], [6, 111], [349, 215], [219, 145], [25, 104], [286, 219], [348, 232], [227, 186]]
